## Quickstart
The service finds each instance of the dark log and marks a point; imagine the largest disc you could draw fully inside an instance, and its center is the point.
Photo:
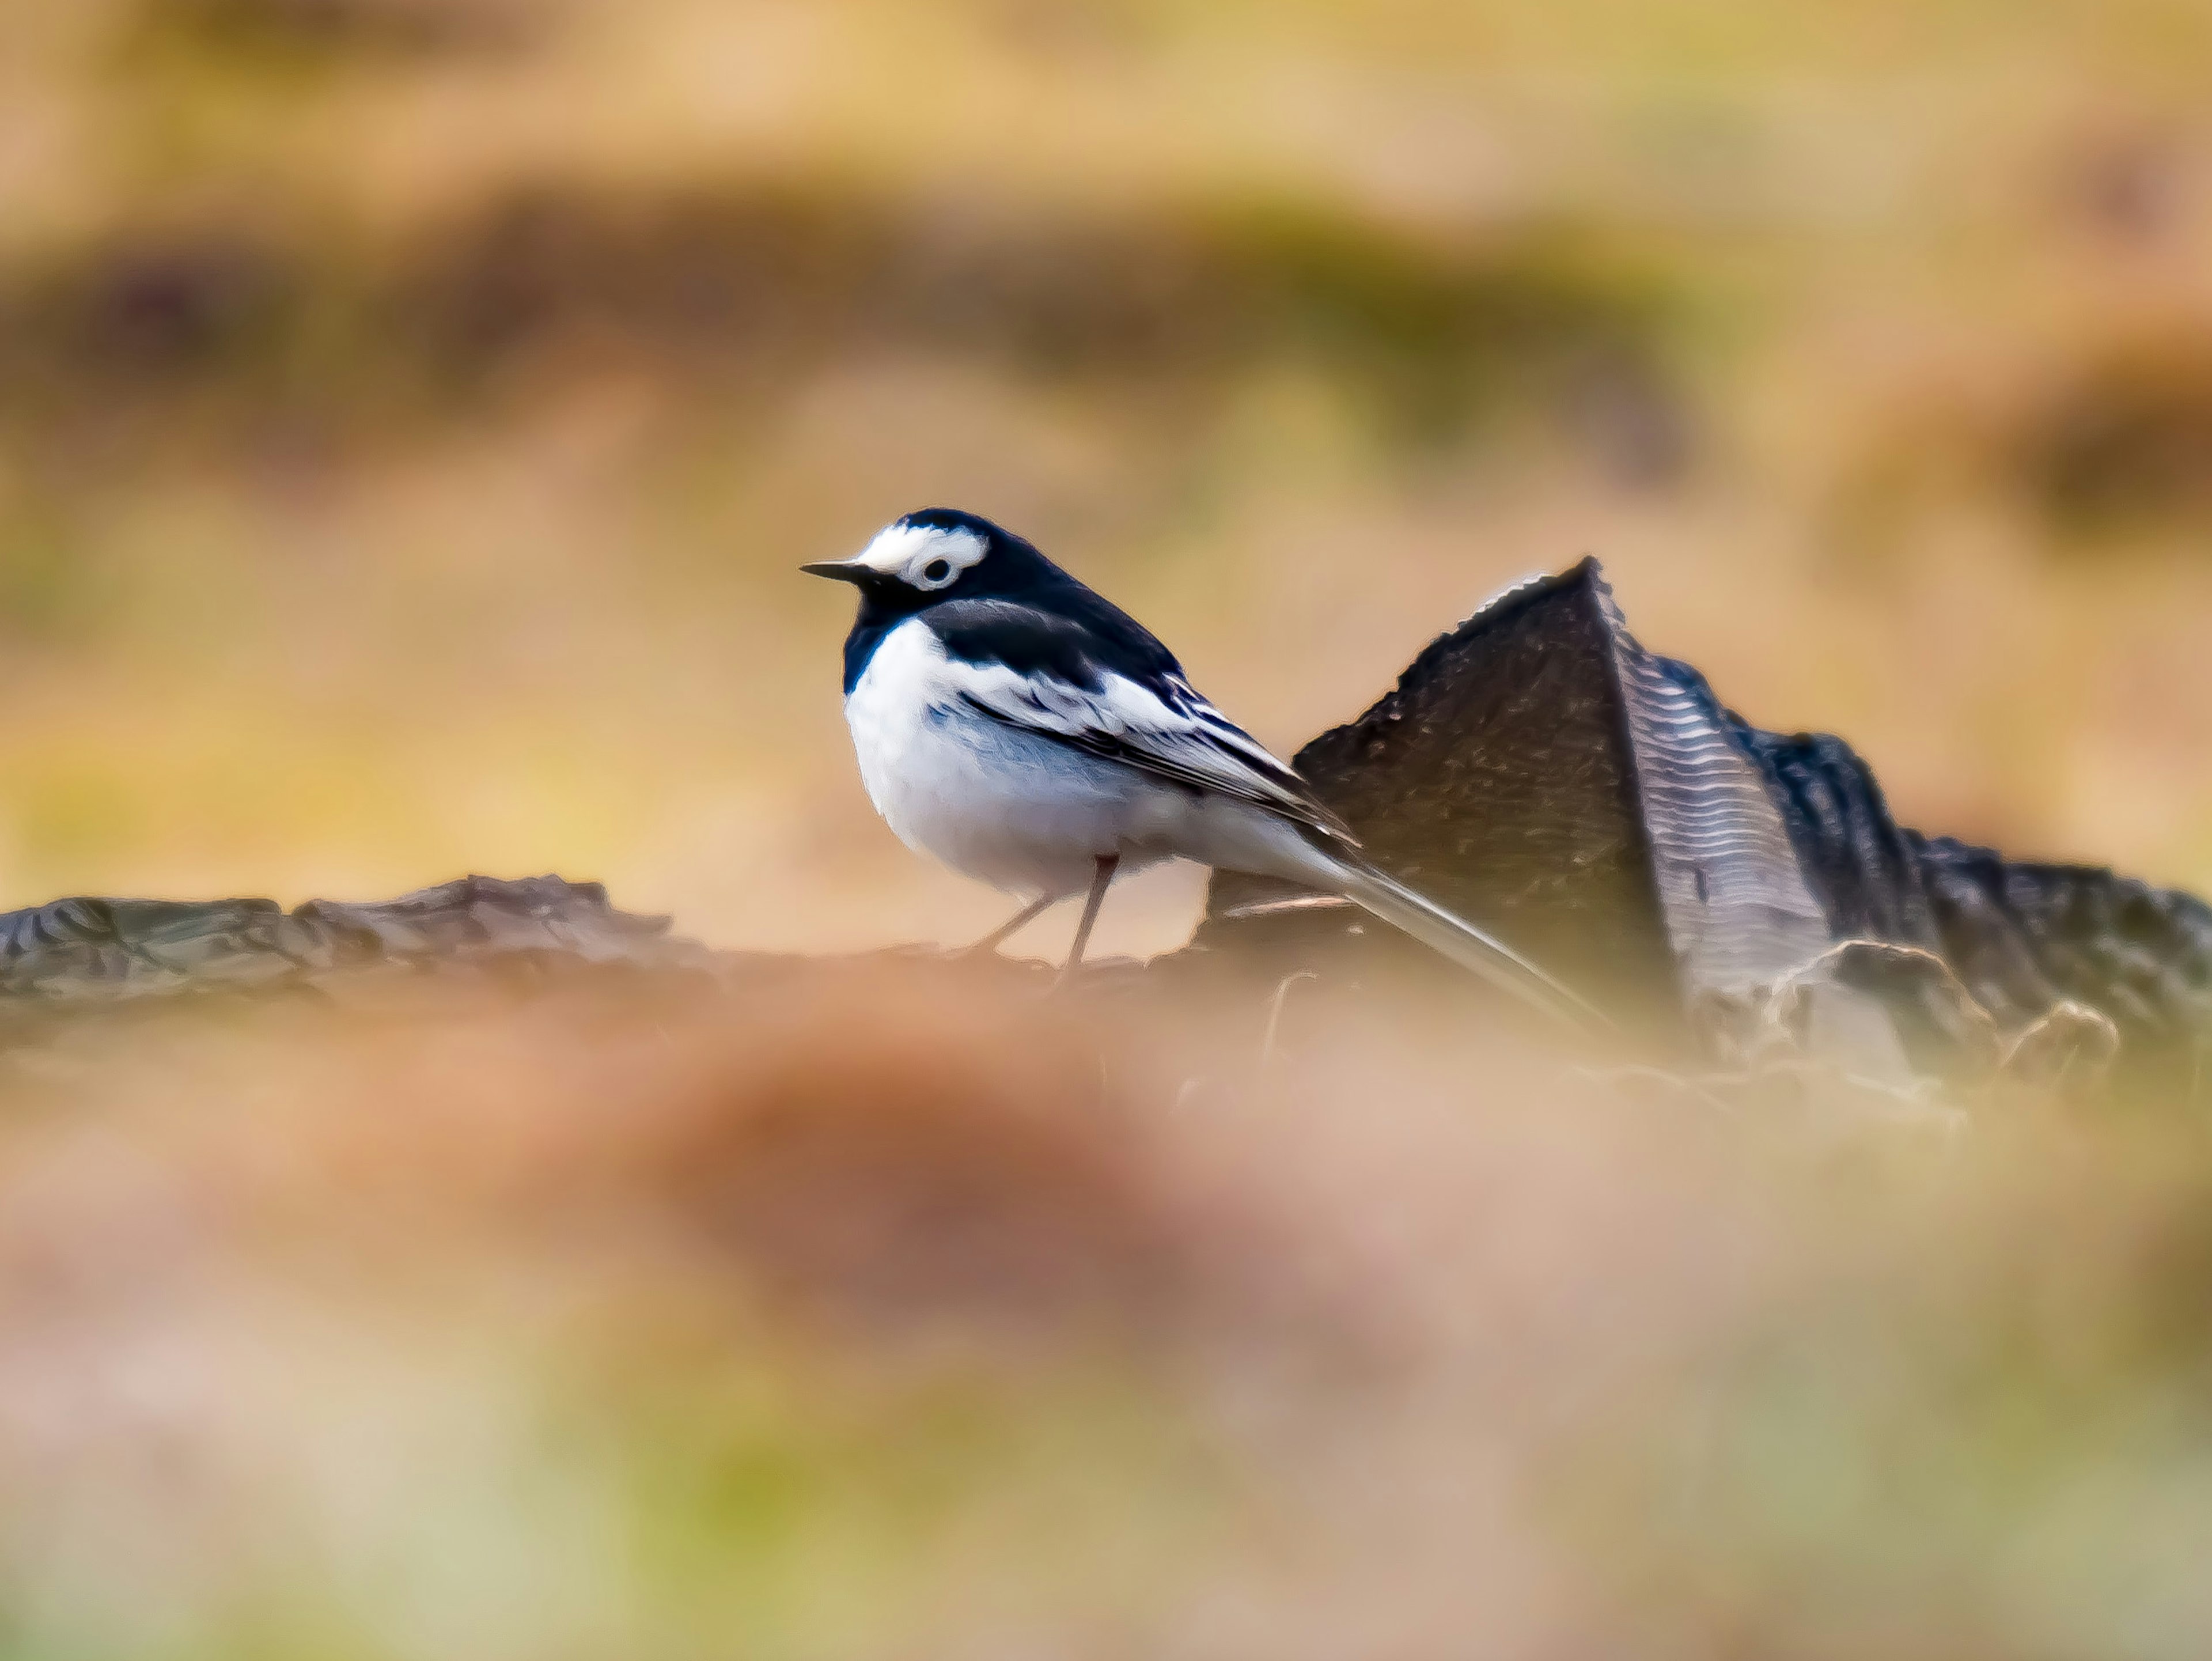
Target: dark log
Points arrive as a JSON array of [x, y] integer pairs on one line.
[[88, 952], [2021, 937], [1543, 773]]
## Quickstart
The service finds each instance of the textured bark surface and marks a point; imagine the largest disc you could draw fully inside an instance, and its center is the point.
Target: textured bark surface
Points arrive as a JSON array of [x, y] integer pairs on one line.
[[1541, 771], [1497, 779], [103, 951]]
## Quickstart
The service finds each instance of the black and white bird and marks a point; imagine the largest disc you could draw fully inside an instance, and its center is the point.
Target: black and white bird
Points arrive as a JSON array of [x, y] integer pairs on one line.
[[1020, 728]]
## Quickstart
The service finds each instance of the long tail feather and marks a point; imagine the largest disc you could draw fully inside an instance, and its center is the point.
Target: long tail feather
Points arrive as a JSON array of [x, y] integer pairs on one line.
[[1465, 945]]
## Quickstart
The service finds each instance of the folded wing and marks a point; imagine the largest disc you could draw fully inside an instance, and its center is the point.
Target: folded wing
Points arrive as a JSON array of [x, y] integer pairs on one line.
[[1048, 675]]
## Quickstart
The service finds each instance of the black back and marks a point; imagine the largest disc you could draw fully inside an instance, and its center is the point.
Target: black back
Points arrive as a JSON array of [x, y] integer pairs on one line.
[[1036, 616]]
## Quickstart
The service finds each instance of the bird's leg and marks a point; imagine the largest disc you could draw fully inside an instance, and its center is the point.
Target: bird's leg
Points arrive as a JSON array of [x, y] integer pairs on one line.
[[1102, 877], [998, 937]]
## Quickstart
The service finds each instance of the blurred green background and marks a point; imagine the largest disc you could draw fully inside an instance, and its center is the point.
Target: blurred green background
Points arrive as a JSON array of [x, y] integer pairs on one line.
[[411, 410]]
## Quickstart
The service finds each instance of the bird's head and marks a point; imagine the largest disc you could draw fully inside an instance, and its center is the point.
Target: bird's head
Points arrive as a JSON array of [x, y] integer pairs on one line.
[[939, 554]]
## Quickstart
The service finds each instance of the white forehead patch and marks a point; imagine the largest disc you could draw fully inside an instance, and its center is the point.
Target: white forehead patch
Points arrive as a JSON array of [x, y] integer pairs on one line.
[[905, 551]]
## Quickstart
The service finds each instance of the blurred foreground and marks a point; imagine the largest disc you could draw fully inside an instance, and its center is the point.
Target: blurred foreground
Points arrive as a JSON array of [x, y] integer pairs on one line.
[[879, 1318]]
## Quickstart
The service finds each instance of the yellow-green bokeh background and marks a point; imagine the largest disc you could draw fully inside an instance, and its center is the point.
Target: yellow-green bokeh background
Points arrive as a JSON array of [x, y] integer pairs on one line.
[[299, 597]]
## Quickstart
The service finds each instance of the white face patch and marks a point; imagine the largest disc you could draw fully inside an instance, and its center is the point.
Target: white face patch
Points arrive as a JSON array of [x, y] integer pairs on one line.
[[923, 556]]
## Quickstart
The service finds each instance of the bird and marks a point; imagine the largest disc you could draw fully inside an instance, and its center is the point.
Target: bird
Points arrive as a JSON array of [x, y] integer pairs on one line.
[[1018, 726]]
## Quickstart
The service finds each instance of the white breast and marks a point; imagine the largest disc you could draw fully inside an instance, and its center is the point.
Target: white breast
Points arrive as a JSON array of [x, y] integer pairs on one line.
[[1020, 812]]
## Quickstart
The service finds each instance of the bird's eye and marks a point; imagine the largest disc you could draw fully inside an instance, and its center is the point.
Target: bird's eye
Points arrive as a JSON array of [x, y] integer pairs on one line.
[[938, 570]]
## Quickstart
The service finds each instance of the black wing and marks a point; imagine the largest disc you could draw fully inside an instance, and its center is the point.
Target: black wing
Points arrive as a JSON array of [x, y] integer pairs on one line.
[[1111, 696]]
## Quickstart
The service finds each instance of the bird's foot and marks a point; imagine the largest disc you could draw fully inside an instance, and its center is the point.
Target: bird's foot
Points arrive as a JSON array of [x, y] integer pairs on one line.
[[1093, 973]]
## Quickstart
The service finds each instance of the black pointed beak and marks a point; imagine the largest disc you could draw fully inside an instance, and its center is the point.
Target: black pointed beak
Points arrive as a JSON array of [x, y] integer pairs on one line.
[[838, 570]]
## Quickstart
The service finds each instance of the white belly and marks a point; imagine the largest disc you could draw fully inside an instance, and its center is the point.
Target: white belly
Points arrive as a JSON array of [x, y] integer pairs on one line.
[[1021, 812], [1029, 813]]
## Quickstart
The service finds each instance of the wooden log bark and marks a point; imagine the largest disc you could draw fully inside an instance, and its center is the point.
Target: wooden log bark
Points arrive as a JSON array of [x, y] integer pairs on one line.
[[88, 952], [1540, 771]]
